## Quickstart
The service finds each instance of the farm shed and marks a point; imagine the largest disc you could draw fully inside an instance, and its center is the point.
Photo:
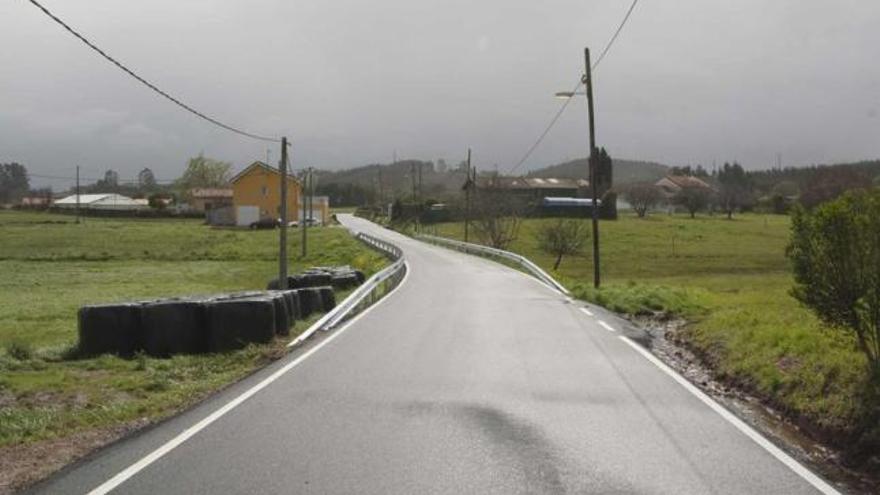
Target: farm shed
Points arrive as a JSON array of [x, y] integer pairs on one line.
[[102, 202]]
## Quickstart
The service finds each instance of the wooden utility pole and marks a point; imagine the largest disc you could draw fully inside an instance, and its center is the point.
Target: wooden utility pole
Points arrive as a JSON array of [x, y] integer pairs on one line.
[[311, 194], [467, 197], [419, 201], [77, 194], [282, 250], [588, 83], [412, 173], [304, 222], [381, 191]]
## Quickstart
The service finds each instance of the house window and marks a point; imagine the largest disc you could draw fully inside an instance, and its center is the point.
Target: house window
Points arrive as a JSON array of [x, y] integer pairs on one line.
[[265, 191]]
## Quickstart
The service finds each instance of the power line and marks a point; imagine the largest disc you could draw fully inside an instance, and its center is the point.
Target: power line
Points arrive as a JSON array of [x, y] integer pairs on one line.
[[149, 84], [564, 105], [547, 129], [616, 34]]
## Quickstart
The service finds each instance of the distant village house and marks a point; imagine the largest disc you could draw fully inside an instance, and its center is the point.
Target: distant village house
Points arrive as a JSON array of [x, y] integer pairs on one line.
[[673, 184], [256, 195], [206, 199]]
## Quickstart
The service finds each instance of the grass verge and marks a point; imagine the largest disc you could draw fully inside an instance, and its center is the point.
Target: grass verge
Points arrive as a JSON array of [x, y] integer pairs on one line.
[[52, 266], [730, 279]]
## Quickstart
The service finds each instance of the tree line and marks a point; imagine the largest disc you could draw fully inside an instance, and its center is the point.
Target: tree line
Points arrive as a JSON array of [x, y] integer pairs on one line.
[[200, 172], [731, 188]]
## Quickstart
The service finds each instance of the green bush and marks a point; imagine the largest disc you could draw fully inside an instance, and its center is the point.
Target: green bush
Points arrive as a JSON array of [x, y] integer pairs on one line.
[[643, 299], [835, 252], [19, 350]]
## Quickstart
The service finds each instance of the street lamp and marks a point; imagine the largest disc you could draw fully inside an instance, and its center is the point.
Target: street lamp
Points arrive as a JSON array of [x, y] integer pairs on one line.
[[587, 80]]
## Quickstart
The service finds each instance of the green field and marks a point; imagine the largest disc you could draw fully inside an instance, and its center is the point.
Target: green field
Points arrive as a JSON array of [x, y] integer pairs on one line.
[[730, 279], [51, 266]]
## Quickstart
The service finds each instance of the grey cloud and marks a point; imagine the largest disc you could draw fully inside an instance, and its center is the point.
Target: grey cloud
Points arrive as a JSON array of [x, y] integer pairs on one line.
[[350, 81]]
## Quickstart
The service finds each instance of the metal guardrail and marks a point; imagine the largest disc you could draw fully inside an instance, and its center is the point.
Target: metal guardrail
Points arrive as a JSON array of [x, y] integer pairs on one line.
[[373, 289], [490, 252]]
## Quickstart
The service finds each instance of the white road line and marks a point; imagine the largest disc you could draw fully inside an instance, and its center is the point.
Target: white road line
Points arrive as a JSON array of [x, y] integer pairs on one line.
[[170, 445], [606, 326], [747, 430], [587, 311]]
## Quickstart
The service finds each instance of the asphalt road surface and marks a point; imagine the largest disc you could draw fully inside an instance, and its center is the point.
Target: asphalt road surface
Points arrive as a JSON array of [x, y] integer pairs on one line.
[[470, 378]]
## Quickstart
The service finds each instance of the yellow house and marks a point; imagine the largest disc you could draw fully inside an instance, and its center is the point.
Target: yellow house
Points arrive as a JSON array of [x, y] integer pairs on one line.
[[256, 194]]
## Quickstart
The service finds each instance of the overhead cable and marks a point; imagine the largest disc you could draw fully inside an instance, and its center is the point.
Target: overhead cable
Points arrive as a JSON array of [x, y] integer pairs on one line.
[[149, 84]]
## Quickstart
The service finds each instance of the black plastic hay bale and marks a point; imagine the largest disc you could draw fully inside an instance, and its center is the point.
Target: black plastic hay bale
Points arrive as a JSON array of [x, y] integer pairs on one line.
[[295, 282], [328, 298], [282, 316], [292, 301], [297, 305], [174, 327], [110, 328], [234, 323], [345, 280], [309, 301], [245, 294], [315, 279]]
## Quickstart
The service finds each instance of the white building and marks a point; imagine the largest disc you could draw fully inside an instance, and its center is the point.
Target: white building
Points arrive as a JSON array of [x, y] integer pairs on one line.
[[102, 202]]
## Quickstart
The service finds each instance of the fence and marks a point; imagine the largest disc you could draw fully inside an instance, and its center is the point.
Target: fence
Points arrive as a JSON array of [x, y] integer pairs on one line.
[[498, 254], [373, 289]]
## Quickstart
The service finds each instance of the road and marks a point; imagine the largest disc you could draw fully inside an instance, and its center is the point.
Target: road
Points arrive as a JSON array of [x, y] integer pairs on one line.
[[470, 378]]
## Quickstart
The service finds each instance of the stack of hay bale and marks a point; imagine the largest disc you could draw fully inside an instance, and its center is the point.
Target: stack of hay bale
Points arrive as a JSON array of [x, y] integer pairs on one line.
[[194, 325], [339, 277]]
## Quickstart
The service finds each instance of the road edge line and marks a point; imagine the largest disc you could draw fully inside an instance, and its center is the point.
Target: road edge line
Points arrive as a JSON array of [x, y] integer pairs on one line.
[[606, 326], [771, 448], [185, 435]]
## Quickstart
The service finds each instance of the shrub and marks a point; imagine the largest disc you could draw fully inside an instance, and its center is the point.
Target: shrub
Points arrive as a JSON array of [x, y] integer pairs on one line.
[[563, 237], [644, 299], [19, 350], [643, 197], [835, 251]]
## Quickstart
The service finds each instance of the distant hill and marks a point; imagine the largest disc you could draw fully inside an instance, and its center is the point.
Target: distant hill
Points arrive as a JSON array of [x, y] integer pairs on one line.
[[363, 185], [625, 171]]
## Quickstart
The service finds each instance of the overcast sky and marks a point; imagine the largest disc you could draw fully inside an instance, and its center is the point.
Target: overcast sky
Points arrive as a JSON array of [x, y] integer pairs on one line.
[[351, 81]]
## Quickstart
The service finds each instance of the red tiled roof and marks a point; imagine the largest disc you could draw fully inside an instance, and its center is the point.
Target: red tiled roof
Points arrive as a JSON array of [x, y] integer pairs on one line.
[[687, 181]]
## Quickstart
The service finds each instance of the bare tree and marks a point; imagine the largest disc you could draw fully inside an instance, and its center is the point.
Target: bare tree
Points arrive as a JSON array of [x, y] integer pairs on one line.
[[497, 215], [564, 237], [735, 189], [642, 197], [693, 198]]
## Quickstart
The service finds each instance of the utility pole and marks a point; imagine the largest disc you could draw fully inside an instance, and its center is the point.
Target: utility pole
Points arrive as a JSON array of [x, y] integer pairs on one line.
[[467, 197], [420, 201], [311, 194], [412, 173], [282, 251], [588, 82], [77, 194], [305, 224], [379, 199]]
